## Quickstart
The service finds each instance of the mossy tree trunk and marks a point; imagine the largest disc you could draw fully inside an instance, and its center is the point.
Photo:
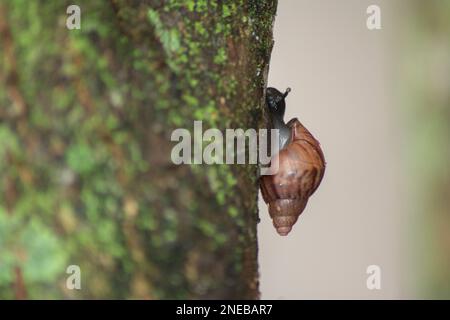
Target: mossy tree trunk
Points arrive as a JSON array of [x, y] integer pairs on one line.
[[85, 168]]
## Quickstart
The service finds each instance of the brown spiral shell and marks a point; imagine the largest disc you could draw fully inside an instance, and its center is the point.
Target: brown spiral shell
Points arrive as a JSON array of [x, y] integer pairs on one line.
[[301, 168]]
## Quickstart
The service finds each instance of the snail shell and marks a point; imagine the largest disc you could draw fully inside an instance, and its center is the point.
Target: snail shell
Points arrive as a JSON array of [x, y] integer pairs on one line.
[[301, 166]]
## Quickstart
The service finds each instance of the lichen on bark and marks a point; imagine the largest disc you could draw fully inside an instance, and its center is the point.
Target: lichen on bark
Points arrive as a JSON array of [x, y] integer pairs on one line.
[[86, 117]]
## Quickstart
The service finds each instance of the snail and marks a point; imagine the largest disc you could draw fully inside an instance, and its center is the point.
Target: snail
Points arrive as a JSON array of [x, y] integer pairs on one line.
[[301, 166]]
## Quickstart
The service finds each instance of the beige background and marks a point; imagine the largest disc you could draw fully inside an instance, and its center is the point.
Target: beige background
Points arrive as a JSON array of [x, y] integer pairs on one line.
[[342, 77]]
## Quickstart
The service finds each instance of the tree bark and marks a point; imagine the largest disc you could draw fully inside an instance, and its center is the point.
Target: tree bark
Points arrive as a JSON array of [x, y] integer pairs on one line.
[[85, 152]]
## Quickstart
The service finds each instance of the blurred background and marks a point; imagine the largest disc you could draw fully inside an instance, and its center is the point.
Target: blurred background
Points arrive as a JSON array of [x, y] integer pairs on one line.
[[379, 102]]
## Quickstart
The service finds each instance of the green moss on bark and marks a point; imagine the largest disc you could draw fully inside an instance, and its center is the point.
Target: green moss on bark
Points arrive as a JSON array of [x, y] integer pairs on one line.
[[93, 168]]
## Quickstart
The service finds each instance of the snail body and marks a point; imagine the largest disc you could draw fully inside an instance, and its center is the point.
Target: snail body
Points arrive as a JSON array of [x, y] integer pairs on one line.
[[301, 166]]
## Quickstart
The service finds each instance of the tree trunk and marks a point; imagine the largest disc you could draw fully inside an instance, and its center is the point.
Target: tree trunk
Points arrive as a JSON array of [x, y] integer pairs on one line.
[[86, 174]]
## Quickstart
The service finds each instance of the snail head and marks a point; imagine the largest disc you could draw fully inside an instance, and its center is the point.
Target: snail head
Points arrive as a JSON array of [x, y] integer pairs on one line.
[[275, 102]]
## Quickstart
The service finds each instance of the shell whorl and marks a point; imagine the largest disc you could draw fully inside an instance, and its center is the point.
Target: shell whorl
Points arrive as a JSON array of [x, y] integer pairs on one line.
[[284, 213], [301, 168]]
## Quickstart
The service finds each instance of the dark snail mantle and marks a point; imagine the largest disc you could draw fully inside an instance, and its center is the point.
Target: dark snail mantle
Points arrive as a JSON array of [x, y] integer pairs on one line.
[[301, 167]]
